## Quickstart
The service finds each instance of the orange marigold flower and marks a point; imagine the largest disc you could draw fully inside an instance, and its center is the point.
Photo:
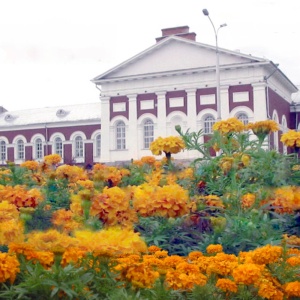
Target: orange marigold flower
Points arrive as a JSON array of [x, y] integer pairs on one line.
[[247, 273], [293, 261], [222, 264], [113, 207], [226, 285], [194, 255], [153, 248], [214, 248], [185, 277], [268, 291], [30, 165], [9, 267], [293, 289], [65, 220], [267, 254]]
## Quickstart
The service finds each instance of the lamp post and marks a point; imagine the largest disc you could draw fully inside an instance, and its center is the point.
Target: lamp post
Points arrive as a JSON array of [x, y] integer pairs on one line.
[[206, 13]]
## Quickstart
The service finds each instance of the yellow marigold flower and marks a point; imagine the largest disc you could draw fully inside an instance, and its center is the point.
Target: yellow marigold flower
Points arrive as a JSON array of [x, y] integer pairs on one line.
[[51, 240], [268, 291], [171, 144], [9, 267], [226, 285], [248, 200], [267, 254], [293, 289], [228, 126], [112, 241], [226, 163], [263, 127], [247, 273], [291, 138], [167, 201], [52, 159], [213, 200], [214, 248], [245, 159], [30, 165], [11, 231]]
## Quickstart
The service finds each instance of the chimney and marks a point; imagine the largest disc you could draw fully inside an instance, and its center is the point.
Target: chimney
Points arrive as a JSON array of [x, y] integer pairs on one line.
[[181, 31]]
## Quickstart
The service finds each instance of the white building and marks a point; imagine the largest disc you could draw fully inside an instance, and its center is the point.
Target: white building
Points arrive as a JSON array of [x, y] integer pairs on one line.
[[174, 82]]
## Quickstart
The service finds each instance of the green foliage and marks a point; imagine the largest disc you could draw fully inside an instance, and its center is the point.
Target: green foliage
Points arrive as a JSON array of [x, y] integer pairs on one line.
[[246, 232], [177, 236], [57, 193], [41, 218], [35, 282], [18, 176]]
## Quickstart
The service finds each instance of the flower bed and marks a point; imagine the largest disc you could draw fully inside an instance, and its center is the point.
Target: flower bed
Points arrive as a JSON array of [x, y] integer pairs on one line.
[[225, 227]]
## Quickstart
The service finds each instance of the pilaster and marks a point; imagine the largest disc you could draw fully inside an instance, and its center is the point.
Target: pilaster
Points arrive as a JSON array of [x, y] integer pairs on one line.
[[105, 130], [260, 101], [132, 134], [161, 114]]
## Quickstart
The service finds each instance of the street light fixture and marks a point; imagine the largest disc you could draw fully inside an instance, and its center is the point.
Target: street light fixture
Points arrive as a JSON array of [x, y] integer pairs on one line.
[[206, 13]]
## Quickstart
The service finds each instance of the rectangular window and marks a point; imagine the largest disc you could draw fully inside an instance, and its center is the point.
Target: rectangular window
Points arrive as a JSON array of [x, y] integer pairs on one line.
[[21, 152]]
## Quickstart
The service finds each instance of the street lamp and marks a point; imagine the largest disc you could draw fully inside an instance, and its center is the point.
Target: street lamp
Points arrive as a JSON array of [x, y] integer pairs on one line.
[[206, 13]]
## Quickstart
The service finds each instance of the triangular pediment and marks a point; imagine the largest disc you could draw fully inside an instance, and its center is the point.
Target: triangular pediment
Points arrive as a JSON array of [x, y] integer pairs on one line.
[[176, 54]]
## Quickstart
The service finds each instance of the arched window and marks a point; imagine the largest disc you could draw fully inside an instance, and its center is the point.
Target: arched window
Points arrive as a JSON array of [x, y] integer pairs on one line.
[[243, 118], [20, 149], [148, 133], [38, 148], [120, 135], [98, 145], [208, 123], [78, 147], [3, 154], [58, 146]]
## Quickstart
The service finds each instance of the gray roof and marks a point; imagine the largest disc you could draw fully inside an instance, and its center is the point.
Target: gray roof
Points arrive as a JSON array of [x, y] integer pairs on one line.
[[87, 112]]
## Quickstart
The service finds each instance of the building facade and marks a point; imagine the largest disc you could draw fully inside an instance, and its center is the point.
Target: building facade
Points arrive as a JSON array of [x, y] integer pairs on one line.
[[73, 132], [174, 83], [171, 83]]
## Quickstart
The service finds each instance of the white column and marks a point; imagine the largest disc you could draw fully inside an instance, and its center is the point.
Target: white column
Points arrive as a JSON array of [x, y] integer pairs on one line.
[[161, 115], [191, 110], [224, 95], [260, 100], [132, 133], [105, 130]]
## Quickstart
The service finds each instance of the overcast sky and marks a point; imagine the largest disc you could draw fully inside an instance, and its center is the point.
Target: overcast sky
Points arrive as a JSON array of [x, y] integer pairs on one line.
[[50, 50]]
